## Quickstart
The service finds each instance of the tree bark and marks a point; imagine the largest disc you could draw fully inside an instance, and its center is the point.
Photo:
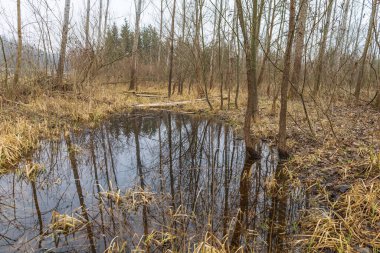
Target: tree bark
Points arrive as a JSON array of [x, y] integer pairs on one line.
[[300, 31], [237, 42], [133, 83], [322, 49], [283, 152], [5, 63], [268, 40], [171, 57], [250, 49], [359, 82], [19, 45], [100, 23], [106, 18], [87, 25], [62, 53], [160, 41]]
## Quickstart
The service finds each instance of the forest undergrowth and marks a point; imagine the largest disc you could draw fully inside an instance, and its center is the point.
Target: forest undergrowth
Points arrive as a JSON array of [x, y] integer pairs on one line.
[[336, 154]]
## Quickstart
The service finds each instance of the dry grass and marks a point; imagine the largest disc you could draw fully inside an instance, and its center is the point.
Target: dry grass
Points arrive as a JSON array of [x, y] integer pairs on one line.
[[116, 246], [349, 152], [352, 221], [17, 137], [159, 239], [132, 199], [23, 123], [211, 244], [65, 224], [31, 171]]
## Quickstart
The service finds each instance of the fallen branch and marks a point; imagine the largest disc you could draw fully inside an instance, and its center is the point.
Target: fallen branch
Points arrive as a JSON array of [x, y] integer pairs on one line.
[[168, 104]]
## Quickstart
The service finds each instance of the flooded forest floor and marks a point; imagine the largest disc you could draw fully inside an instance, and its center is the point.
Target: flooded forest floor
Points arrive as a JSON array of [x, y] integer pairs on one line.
[[336, 157]]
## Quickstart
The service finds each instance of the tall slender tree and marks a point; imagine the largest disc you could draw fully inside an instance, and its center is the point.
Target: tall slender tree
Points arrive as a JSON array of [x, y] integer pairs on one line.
[[300, 37], [100, 23], [285, 81], [87, 24], [133, 82], [19, 45], [62, 52], [359, 82], [250, 42], [5, 62], [106, 18], [322, 48], [171, 57]]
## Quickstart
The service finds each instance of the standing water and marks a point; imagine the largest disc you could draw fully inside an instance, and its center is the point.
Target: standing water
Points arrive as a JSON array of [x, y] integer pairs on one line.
[[148, 182]]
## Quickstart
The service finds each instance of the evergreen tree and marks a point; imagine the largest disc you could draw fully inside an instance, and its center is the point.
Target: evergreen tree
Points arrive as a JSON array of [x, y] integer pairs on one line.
[[113, 49]]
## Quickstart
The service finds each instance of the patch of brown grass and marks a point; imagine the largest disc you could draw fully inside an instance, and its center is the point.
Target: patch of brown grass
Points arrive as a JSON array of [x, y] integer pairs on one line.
[[132, 199], [352, 221], [44, 115], [65, 224]]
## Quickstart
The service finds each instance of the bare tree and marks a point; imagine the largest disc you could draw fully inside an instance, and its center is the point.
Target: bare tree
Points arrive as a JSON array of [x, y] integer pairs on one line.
[[5, 62], [106, 18], [87, 25], [322, 48], [300, 32], [268, 39], [161, 24], [19, 45], [285, 82], [171, 57], [100, 23], [133, 82], [250, 48], [359, 82], [62, 53]]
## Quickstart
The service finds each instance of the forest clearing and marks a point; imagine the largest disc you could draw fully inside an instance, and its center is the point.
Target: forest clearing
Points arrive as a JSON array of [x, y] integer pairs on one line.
[[211, 126]]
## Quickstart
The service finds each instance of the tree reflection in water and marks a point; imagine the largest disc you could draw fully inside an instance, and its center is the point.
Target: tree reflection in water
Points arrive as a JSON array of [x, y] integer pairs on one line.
[[197, 177]]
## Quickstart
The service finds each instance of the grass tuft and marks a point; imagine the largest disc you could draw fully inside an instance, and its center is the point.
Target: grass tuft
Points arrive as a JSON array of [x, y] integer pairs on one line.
[[354, 219]]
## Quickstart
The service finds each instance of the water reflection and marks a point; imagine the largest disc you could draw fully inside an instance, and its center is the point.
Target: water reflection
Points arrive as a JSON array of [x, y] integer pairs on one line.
[[150, 182]]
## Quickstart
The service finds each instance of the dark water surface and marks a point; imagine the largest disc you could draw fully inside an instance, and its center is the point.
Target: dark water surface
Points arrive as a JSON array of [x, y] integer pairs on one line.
[[149, 181]]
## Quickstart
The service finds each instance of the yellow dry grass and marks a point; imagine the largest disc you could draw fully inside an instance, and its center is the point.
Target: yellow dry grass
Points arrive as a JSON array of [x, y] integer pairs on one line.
[[116, 247], [46, 115], [350, 222], [132, 199], [65, 224], [30, 171], [344, 150]]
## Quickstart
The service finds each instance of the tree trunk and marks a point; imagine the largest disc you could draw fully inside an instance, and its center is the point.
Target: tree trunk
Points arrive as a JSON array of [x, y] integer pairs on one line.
[[5, 63], [253, 101], [133, 83], [250, 55], [171, 57], [237, 42], [100, 23], [322, 49], [87, 25], [220, 54], [160, 40], [106, 18], [268, 40], [359, 82], [212, 58], [285, 83], [62, 53], [300, 31], [19, 44]]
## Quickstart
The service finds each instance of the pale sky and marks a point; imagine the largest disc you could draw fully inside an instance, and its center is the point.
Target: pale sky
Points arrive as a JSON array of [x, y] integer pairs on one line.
[[118, 11]]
